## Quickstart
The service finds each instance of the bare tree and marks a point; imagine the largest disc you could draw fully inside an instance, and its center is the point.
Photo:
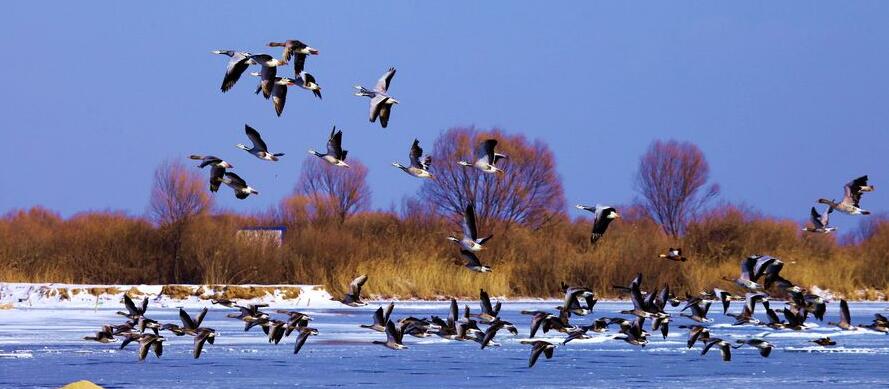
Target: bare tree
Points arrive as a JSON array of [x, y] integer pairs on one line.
[[529, 192], [345, 188], [672, 177], [177, 197]]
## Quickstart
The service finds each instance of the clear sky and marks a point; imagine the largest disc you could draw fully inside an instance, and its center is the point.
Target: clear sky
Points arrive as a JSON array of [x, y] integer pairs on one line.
[[787, 99]]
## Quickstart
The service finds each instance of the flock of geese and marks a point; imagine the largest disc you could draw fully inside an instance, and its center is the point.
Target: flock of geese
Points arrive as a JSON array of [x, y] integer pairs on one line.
[[759, 282]]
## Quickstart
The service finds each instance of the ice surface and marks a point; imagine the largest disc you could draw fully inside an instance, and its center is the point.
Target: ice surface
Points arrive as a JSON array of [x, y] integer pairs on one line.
[[43, 347]]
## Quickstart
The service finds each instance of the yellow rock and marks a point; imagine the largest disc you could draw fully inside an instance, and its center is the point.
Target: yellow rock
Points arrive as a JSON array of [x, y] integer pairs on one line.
[[82, 385]]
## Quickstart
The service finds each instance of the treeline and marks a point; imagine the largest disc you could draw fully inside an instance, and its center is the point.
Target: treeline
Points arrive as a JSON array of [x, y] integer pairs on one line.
[[406, 253], [333, 235]]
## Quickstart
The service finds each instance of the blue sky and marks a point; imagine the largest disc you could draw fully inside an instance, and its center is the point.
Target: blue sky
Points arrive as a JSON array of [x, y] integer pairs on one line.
[[787, 99]]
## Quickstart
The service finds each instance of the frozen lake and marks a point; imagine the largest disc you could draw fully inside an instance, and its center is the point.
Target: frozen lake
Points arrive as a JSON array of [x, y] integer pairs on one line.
[[44, 348]]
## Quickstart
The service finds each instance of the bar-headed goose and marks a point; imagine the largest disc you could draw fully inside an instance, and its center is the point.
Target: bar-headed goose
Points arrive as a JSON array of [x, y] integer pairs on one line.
[[211, 160], [487, 157], [845, 318], [820, 221], [335, 155], [380, 101], [304, 334], [234, 181], [417, 168], [268, 73], [353, 298], [539, 347], [381, 317], [239, 62], [201, 336], [470, 240], [489, 313], [764, 347], [293, 47], [851, 197], [103, 336], [394, 337], [496, 326], [473, 263], [725, 348], [603, 215], [149, 341], [260, 149]]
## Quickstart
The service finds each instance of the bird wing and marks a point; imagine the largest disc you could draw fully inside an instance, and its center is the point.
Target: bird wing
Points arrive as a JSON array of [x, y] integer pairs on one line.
[[200, 318], [845, 317], [378, 316], [299, 64], [128, 303], [300, 341], [536, 350], [235, 180], [487, 150], [279, 98], [601, 222], [471, 259], [815, 217], [454, 313], [383, 82], [469, 227], [489, 334], [267, 77], [388, 312], [355, 286], [484, 301], [255, 137], [385, 109], [376, 104], [392, 333], [334, 144], [143, 349], [186, 319], [199, 343], [747, 268], [233, 71], [415, 154]]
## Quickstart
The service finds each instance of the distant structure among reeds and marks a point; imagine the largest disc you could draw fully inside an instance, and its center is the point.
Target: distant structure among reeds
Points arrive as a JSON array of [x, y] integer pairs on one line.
[[273, 235]]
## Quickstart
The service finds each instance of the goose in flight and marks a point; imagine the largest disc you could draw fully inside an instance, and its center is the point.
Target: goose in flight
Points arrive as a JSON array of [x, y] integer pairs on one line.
[[820, 221], [470, 240], [304, 334], [537, 319], [845, 318], [764, 347], [673, 255], [489, 313], [725, 348], [201, 336], [487, 157], [603, 215], [633, 333], [239, 62], [380, 101], [697, 333], [851, 197], [149, 341], [279, 86], [103, 336], [539, 347], [234, 181], [418, 168], [473, 263], [260, 149], [269, 72], [752, 268], [133, 312], [335, 154], [353, 298], [394, 337], [823, 342], [698, 313], [573, 296], [381, 317], [495, 326], [293, 47], [191, 325], [211, 160]]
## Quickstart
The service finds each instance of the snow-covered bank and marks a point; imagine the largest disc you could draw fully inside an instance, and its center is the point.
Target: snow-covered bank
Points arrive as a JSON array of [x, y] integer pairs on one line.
[[50, 295]]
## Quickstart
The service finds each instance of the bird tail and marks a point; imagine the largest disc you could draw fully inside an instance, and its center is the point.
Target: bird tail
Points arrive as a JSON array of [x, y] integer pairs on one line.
[[317, 93]]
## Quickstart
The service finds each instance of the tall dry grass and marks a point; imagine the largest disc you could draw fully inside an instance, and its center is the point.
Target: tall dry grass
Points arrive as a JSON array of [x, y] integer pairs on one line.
[[406, 254]]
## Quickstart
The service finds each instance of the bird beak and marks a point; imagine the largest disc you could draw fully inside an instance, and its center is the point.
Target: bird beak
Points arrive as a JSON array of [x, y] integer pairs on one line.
[[313, 51], [615, 215]]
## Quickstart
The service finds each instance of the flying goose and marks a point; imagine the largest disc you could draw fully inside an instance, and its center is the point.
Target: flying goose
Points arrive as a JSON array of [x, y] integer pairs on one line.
[[249, 312], [380, 101], [304, 334], [633, 333], [764, 347], [845, 318], [293, 47], [149, 341], [673, 255], [172, 327], [129, 337], [698, 313], [239, 62], [234, 181], [851, 197], [487, 158], [335, 154], [211, 160], [470, 240], [724, 297], [103, 336], [489, 313], [539, 347], [393, 337], [537, 319], [353, 298], [598, 325], [725, 348], [416, 327], [381, 317], [191, 325], [202, 335], [573, 296], [296, 320], [417, 168], [146, 323], [260, 149], [495, 326], [473, 263], [642, 307], [774, 322], [269, 72], [696, 333], [604, 214], [133, 312], [795, 320], [820, 221], [279, 86], [752, 268]]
